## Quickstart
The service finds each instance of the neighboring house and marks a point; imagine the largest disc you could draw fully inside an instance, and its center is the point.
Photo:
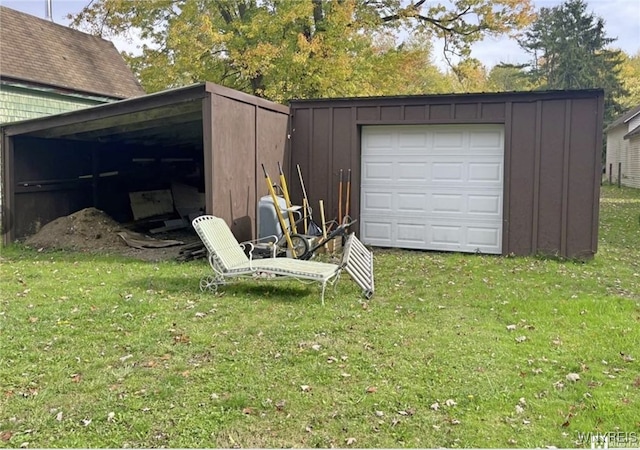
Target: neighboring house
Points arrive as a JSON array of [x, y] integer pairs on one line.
[[46, 69], [623, 149]]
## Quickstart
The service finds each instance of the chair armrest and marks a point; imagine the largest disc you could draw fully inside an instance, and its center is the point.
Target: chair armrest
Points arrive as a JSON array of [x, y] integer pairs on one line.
[[266, 242]]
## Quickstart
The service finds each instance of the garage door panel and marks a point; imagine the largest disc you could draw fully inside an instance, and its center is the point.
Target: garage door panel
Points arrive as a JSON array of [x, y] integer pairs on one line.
[[485, 172], [378, 171], [412, 140], [484, 237], [380, 202], [447, 203], [485, 139], [437, 187], [411, 233], [377, 231], [379, 139], [411, 202], [448, 139], [446, 234], [452, 171], [490, 205], [412, 171]]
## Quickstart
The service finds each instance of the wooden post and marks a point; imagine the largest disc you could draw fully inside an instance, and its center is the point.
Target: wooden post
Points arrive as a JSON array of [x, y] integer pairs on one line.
[[619, 174]]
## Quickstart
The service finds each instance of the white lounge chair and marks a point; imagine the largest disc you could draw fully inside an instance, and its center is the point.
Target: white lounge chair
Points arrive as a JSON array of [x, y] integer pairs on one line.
[[228, 260]]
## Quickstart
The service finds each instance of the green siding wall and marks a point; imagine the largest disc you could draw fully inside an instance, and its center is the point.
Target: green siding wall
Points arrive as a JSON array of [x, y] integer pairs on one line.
[[21, 104]]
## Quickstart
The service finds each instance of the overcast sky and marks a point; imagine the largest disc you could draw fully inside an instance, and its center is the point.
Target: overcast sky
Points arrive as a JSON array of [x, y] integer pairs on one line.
[[622, 21]]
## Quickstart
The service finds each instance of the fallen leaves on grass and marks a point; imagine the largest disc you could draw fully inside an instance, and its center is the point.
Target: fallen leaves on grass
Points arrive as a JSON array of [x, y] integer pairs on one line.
[[573, 377], [626, 358], [305, 388], [6, 436]]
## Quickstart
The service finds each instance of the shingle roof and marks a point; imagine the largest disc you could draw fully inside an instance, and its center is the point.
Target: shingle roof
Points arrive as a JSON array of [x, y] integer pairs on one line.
[[624, 117], [39, 51]]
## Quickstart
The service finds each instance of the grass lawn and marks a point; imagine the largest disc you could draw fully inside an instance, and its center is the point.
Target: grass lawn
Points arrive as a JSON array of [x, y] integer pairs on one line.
[[454, 350]]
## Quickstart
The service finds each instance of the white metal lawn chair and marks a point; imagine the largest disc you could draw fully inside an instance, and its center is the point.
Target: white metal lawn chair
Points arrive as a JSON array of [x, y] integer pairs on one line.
[[228, 260]]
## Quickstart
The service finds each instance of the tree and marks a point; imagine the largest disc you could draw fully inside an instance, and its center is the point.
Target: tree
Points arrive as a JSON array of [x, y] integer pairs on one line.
[[509, 77], [571, 51], [630, 74], [281, 49], [470, 75]]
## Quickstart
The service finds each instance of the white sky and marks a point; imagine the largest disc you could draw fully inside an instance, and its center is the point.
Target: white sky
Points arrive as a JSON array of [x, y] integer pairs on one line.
[[622, 21]]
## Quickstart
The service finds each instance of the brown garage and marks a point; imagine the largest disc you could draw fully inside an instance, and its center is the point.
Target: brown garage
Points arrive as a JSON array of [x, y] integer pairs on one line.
[[205, 137], [506, 173]]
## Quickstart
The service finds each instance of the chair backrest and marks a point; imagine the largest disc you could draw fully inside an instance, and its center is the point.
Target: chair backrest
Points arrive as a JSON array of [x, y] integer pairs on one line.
[[220, 241]]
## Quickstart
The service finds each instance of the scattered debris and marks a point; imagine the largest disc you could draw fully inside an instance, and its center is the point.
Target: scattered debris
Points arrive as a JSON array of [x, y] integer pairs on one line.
[[92, 230]]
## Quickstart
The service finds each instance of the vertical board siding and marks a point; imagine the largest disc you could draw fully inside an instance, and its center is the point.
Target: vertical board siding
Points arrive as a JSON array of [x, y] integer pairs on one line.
[[552, 135], [466, 111], [319, 169], [493, 111], [440, 112], [391, 113], [522, 177], [551, 156], [341, 157], [233, 193], [582, 172], [415, 113], [300, 129]]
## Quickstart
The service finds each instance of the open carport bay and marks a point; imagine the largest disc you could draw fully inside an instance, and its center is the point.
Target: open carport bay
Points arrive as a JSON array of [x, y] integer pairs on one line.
[[168, 154]]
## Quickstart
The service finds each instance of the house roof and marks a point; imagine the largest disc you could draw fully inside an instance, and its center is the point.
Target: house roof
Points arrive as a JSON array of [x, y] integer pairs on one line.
[[625, 117], [38, 51]]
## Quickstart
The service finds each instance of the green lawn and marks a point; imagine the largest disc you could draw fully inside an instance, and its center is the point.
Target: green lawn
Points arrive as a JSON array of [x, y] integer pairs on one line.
[[454, 350]]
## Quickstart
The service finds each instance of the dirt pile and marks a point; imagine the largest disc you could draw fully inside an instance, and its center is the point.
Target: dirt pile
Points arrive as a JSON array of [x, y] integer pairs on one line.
[[92, 230], [87, 229]]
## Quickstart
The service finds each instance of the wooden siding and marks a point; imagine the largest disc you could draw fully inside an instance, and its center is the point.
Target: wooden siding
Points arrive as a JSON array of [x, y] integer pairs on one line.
[[615, 151], [218, 134], [633, 163], [552, 157], [22, 104], [623, 157], [245, 133]]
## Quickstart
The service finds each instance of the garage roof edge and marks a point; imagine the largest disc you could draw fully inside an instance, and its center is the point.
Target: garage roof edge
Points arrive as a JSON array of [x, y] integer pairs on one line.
[[150, 101], [470, 96], [223, 91]]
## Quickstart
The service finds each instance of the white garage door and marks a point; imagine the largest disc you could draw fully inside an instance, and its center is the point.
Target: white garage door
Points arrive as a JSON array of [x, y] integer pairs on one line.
[[433, 187]]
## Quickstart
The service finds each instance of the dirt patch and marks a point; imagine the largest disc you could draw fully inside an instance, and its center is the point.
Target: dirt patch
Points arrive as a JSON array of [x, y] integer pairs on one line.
[[92, 230]]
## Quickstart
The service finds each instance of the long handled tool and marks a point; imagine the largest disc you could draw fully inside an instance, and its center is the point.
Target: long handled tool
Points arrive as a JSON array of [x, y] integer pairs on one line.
[[340, 198], [311, 228], [346, 208], [283, 224], [285, 194]]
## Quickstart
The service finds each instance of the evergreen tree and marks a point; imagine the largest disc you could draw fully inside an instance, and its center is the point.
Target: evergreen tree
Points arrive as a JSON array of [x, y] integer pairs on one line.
[[571, 51]]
